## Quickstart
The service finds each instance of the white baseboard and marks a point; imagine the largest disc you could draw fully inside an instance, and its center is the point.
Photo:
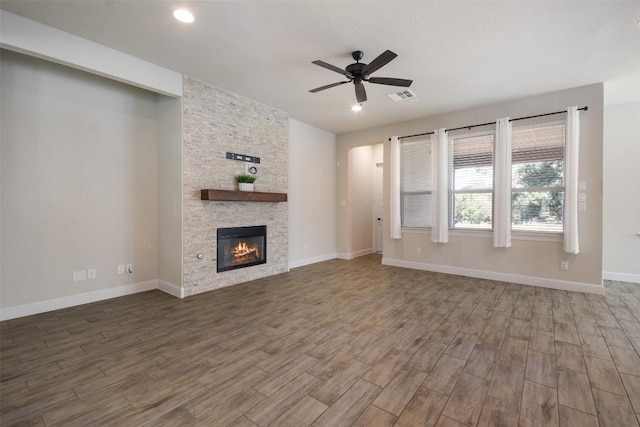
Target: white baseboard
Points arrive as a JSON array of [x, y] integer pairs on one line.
[[564, 285], [73, 300], [621, 277], [356, 254], [171, 289], [312, 260]]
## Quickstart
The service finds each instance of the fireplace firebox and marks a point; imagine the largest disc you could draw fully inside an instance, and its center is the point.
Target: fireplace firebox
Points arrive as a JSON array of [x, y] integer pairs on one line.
[[240, 247]]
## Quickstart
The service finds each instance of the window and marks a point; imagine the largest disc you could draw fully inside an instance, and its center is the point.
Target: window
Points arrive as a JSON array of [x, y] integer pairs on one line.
[[472, 181], [537, 180], [416, 183], [538, 177]]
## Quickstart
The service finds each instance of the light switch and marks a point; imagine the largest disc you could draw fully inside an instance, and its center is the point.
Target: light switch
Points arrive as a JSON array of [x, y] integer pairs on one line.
[[343, 203], [582, 185], [582, 206], [582, 197]]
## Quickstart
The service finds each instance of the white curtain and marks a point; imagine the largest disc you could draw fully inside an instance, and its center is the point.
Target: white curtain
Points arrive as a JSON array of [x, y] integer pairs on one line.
[[394, 169], [502, 185], [440, 192], [571, 148]]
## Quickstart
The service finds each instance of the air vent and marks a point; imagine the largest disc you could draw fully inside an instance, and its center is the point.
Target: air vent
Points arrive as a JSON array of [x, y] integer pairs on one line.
[[403, 95]]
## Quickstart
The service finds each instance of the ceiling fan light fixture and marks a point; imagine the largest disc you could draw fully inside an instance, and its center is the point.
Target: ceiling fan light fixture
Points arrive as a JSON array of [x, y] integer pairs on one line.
[[357, 107], [183, 15]]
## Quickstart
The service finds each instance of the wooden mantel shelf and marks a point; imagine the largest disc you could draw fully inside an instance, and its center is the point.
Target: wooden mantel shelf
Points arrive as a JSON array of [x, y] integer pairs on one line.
[[241, 196]]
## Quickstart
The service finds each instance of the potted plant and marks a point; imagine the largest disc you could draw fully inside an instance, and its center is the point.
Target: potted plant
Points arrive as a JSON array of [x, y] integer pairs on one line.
[[245, 181]]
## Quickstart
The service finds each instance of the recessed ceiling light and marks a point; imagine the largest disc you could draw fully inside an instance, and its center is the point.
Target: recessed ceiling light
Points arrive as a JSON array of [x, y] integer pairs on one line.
[[183, 15], [357, 107]]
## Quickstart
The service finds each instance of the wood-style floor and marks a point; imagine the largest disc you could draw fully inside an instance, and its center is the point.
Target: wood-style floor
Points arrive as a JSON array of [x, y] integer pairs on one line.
[[338, 343]]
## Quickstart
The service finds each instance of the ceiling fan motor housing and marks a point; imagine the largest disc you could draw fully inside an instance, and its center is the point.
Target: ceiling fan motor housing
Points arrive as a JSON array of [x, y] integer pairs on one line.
[[356, 69]]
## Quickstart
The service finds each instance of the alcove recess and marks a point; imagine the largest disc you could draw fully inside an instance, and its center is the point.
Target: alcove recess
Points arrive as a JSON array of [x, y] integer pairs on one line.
[[241, 196]]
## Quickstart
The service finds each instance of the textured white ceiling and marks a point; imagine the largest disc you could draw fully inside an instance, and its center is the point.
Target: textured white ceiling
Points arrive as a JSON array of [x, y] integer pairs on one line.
[[459, 53]]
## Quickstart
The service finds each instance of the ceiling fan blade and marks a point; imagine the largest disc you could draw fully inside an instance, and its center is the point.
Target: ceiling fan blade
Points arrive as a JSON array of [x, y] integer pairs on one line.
[[361, 94], [330, 67], [383, 59], [391, 82], [318, 89]]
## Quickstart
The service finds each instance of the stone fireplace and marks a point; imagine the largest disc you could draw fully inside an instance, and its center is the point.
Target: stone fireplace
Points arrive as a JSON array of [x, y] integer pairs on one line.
[[216, 122]]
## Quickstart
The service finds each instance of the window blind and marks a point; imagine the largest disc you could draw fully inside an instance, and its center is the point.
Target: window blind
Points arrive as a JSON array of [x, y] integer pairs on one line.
[[416, 183]]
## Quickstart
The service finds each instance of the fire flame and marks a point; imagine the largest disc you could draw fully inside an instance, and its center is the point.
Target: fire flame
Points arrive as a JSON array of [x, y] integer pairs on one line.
[[242, 250]]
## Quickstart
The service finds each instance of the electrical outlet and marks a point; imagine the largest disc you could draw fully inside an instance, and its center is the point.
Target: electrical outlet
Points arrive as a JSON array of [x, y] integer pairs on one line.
[[582, 206], [306, 247], [564, 265], [129, 268], [419, 251], [91, 273], [79, 275], [121, 269]]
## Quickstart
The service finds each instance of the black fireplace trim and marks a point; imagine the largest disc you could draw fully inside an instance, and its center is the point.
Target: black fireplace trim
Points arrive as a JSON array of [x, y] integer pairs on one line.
[[238, 232]]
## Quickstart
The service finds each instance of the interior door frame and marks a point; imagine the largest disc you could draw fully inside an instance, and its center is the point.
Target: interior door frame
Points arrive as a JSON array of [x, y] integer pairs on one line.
[[374, 198]]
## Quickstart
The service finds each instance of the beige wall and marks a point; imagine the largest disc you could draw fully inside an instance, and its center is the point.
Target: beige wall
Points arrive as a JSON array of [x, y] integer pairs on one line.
[[535, 261], [170, 190], [378, 153], [621, 192], [79, 181], [360, 202], [312, 194]]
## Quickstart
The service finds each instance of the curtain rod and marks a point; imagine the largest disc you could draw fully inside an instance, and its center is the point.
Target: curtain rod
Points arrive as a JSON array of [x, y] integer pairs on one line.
[[585, 108]]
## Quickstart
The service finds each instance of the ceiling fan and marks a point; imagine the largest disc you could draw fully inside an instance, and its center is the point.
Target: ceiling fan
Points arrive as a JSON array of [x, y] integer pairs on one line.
[[359, 72]]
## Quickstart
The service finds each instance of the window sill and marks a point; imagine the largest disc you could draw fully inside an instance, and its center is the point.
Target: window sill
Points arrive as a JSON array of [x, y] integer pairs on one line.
[[487, 234]]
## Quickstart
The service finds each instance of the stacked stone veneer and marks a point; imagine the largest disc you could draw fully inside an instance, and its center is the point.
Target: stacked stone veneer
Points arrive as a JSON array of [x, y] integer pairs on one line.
[[214, 122]]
